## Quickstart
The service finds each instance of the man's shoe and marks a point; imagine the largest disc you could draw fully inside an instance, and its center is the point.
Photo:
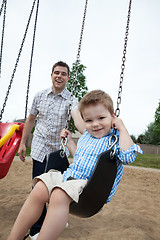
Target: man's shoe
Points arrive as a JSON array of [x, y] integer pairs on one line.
[[67, 225], [34, 237]]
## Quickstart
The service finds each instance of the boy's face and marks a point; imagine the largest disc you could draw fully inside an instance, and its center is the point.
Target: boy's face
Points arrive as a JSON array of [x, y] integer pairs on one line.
[[98, 120]]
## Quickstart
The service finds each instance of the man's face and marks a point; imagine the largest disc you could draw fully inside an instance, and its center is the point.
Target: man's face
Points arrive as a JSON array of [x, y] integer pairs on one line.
[[59, 79]]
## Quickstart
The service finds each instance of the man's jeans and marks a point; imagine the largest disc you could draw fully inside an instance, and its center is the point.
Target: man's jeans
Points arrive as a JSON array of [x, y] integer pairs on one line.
[[38, 169]]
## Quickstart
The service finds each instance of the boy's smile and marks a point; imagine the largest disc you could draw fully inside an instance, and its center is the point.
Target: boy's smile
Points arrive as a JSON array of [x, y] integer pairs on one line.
[[98, 120]]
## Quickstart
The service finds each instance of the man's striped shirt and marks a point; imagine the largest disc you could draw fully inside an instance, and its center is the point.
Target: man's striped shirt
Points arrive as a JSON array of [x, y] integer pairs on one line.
[[51, 111]]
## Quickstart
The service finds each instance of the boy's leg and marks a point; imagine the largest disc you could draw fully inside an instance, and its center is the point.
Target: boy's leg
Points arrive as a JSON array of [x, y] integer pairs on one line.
[[30, 211], [57, 215], [38, 169]]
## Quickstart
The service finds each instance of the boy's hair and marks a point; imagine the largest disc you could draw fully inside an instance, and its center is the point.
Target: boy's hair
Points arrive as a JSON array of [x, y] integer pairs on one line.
[[62, 64], [93, 98]]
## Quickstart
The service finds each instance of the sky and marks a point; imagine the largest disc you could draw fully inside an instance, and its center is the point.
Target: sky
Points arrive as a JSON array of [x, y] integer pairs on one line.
[[57, 38]]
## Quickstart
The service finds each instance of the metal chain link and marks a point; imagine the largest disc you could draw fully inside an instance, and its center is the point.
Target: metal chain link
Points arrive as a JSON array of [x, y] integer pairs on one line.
[[2, 7], [117, 111], [76, 65], [2, 40], [30, 67], [17, 60]]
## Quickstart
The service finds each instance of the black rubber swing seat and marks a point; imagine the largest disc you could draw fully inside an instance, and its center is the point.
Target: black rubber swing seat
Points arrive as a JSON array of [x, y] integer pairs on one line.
[[98, 188]]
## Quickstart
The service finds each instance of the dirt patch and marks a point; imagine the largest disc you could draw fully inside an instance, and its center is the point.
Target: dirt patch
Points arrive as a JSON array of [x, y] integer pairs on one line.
[[132, 214]]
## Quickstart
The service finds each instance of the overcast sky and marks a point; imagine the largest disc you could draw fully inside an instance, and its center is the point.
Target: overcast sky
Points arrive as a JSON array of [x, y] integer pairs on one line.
[[57, 38]]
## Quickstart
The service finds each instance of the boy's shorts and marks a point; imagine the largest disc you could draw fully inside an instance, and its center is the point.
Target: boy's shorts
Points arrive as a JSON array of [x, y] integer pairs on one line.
[[54, 178]]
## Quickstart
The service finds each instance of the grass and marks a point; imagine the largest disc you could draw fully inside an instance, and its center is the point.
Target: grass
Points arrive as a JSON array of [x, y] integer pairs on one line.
[[147, 161], [142, 160], [28, 150]]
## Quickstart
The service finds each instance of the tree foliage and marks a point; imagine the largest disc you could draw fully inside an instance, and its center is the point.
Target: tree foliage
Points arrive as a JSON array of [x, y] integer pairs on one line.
[[157, 121], [133, 138], [152, 134], [149, 135], [140, 138], [79, 86]]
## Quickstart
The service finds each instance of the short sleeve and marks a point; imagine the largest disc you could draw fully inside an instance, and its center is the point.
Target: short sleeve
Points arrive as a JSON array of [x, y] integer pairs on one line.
[[34, 109], [74, 103]]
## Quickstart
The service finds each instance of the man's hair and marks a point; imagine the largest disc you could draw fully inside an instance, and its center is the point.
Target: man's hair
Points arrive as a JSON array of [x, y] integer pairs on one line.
[[94, 97], [62, 64]]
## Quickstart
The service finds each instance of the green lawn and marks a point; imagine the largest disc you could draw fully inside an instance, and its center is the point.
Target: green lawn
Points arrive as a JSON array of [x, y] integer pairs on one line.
[[147, 160], [142, 160], [28, 150]]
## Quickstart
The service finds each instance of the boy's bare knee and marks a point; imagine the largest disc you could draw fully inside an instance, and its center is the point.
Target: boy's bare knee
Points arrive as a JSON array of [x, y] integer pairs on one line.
[[40, 191], [59, 196]]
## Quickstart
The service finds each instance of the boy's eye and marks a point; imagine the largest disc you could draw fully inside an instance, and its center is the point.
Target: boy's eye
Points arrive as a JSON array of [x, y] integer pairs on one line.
[[88, 120], [101, 118]]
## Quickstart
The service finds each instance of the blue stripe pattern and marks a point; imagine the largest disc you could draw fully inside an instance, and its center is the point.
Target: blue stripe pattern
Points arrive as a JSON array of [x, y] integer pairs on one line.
[[86, 156]]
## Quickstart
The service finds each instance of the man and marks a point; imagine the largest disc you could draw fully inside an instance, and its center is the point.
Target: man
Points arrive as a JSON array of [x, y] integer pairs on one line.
[[49, 110]]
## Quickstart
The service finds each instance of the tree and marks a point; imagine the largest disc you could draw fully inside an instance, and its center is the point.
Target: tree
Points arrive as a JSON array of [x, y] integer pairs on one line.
[[152, 134], [133, 138], [140, 139], [157, 122], [79, 87], [149, 135]]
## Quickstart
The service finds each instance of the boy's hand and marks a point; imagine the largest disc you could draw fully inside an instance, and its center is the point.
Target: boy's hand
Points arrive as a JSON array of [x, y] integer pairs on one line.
[[118, 123], [65, 133], [70, 143], [125, 141]]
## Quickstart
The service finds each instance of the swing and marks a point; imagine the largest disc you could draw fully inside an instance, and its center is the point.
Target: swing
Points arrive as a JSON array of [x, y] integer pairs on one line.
[[99, 186], [11, 133], [9, 142]]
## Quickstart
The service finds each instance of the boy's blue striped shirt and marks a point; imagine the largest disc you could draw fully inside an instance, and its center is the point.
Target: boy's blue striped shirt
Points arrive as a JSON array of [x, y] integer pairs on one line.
[[86, 155]]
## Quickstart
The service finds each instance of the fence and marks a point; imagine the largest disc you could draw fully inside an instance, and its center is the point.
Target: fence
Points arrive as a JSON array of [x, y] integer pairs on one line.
[[147, 148], [150, 149]]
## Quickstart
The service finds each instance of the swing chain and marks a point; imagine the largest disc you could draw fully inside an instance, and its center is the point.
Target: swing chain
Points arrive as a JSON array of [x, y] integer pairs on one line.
[[63, 145], [4, 2], [112, 145], [30, 67], [76, 65], [117, 111], [3, 27], [17, 60]]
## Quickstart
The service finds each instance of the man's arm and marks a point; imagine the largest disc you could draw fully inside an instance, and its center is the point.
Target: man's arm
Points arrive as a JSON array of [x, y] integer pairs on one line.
[[28, 126], [78, 121]]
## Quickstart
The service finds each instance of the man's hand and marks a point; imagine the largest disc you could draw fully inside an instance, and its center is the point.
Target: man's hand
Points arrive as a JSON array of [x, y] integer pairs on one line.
[[22, 152]]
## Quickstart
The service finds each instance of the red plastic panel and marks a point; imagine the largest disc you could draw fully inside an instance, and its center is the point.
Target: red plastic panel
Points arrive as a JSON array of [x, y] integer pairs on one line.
[[9, 149]]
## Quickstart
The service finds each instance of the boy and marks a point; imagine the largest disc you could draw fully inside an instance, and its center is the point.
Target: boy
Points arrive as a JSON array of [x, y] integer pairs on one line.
[[96, 108]]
